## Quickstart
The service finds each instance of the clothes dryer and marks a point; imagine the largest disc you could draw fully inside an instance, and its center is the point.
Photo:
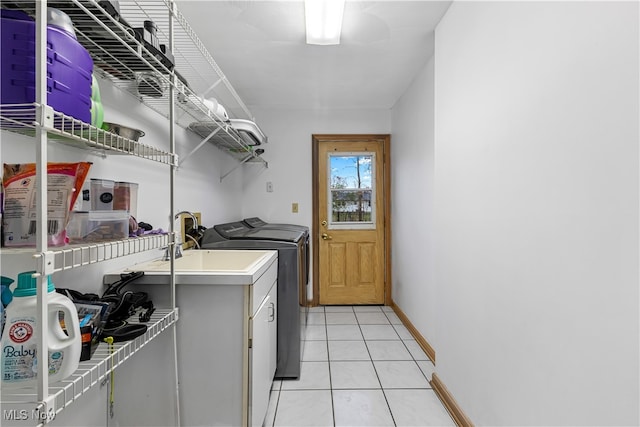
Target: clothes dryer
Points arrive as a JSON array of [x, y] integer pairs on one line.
[[255, 222], [292, 297]]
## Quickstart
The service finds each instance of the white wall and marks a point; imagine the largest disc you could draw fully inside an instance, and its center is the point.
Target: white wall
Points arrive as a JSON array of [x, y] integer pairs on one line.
[[536, 169], [198, 186], [289, 155], [412, 209]]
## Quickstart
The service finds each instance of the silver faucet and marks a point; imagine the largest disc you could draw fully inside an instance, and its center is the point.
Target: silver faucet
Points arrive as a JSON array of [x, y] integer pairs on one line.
[[166, 256], [194, 226]]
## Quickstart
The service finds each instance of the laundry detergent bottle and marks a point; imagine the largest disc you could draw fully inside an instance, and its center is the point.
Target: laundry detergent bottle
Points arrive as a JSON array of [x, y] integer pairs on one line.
[[19, 343], [5, 297]]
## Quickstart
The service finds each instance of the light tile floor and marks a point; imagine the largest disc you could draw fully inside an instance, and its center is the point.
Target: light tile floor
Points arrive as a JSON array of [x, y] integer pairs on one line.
[[360, 367]]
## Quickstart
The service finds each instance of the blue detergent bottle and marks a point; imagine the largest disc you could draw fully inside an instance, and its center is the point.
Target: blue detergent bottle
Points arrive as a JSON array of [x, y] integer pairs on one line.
[[5, 296]]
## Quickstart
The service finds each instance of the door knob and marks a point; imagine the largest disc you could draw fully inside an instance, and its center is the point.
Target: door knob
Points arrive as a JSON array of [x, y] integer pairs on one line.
[[325, 236]]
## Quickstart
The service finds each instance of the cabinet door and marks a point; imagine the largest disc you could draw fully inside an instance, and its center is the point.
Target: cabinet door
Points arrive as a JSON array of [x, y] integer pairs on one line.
[[262, 359]]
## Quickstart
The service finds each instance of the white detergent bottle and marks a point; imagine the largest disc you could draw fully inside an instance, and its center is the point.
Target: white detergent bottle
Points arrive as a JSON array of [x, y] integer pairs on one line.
[[19, 359]]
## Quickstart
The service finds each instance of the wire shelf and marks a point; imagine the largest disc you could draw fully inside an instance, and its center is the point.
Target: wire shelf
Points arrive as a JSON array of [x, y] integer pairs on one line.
[[226, 138], [120, 54], [115, 45], [74, 256], [23, 119], [93, 372]]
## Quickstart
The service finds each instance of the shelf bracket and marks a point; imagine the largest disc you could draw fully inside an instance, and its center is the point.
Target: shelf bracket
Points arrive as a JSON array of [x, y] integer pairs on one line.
[[210, 88], [45, 411], [45, 263], [204, 141], [45, 116], [242, 162]]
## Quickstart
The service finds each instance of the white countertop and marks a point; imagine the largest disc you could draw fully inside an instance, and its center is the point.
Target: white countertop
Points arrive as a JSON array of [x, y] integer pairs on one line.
[[208, 267]]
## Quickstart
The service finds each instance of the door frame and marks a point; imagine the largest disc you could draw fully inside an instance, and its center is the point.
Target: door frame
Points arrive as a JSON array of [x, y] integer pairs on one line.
[[316, 139]]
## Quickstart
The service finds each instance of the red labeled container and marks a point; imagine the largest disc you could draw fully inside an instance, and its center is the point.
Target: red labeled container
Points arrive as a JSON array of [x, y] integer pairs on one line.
[[69, 66]]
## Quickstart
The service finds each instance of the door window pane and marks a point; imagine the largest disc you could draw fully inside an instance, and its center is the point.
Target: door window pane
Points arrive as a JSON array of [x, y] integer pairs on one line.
[[352, 190], [351, 206]]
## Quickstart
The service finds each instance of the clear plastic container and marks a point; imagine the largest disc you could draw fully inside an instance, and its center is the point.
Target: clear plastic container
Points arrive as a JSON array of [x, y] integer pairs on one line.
[[101, 194], [98, 226], [126, 197]]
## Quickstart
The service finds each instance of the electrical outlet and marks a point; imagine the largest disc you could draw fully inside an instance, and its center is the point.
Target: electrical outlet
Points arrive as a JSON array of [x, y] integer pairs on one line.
[[294, 207]]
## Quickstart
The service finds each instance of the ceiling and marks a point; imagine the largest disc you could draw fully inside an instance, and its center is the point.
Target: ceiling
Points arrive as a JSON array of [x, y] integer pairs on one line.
[[260, 46]]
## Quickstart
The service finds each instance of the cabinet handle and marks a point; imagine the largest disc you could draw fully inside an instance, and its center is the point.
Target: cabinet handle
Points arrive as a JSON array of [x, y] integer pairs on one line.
[[272, 312]]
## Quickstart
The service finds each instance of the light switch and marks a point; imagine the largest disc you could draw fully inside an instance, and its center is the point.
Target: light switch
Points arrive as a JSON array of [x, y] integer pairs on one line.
[[294, 207], [269, 187]]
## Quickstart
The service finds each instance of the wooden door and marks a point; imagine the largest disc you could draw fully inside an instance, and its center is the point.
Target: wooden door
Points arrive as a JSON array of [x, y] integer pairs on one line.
[[350, 214]]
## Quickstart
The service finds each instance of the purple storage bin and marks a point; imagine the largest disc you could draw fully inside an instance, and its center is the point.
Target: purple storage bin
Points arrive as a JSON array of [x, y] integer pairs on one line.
[[69, 67]]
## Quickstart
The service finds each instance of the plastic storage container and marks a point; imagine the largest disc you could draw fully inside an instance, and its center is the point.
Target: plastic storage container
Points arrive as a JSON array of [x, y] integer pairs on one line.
[[97, 195], [69, 65], [101, 195], [126, 197], [98, 226], [19, 349]]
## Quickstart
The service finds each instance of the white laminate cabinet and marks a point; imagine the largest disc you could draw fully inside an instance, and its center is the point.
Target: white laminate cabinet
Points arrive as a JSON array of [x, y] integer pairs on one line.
[[226, 340], [262, 355], [226, 351]]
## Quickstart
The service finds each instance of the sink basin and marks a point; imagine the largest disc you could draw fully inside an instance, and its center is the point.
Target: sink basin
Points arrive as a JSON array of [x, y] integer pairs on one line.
[[229, 267], [207, 267], [209, 261]]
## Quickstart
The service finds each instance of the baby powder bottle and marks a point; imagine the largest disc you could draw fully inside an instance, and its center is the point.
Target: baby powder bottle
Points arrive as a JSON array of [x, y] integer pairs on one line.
[[19, 359]]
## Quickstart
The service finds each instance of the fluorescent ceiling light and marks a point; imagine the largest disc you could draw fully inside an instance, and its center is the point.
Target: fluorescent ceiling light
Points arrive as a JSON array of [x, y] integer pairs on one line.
[[324, 21]]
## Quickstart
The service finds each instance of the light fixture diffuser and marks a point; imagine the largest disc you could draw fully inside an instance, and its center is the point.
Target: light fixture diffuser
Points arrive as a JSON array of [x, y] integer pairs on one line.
[[323, 21]]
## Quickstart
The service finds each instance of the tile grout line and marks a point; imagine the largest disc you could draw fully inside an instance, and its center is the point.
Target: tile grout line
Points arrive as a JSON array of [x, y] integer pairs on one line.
[[275, 410], [326, 332], [407, 348], [376, 371], [370, 359]]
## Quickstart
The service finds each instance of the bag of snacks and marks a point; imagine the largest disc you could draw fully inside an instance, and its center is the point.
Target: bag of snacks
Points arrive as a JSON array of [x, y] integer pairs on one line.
[[64, 182]]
